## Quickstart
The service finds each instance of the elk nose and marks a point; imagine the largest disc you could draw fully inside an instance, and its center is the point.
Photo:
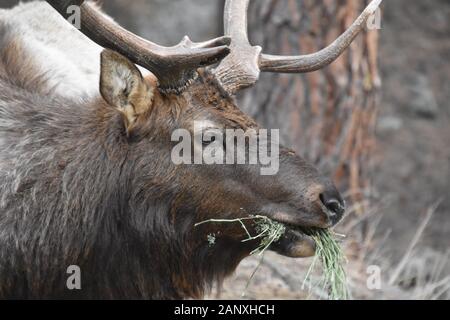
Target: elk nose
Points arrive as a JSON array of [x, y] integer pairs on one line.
[[334, 203]]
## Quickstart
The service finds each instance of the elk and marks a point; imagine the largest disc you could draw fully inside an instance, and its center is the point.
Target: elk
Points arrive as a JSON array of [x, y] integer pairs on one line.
[[86, 177]]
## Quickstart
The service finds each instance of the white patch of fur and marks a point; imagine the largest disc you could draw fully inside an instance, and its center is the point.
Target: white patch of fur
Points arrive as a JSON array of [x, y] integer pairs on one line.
[[121, 77], [71, 60]]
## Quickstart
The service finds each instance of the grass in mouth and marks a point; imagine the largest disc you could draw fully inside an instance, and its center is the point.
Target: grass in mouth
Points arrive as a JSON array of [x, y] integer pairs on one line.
[[332, 259], [328, 251]]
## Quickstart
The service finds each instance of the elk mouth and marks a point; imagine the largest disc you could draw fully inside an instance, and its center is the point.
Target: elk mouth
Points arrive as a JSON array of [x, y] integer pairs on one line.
[[294, 243]]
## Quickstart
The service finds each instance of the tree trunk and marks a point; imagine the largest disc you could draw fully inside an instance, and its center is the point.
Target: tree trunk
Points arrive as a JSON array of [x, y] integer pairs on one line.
[[327, 116]]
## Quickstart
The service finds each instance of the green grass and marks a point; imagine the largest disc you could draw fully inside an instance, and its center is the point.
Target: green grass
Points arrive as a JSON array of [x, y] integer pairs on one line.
[[268, 231], [328, 251], [332, 259]]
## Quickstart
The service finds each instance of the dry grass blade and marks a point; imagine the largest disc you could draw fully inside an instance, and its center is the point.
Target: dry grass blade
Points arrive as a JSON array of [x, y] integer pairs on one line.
[[268, 231], [398, 270]]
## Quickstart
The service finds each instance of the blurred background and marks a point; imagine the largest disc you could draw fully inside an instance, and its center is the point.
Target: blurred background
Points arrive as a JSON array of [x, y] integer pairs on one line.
[[377, 120]]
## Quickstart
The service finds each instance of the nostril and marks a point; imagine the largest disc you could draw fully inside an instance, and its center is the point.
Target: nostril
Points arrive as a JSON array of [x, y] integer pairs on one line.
[[333, 203]]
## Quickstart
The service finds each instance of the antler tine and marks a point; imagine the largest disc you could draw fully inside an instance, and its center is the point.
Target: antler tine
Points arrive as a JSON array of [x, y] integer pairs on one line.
[[175, 67], [241, 68], [322, 58], [235, 20]]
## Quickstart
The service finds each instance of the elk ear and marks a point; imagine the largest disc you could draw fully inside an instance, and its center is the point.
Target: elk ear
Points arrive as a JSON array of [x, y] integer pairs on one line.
[[122, 86]]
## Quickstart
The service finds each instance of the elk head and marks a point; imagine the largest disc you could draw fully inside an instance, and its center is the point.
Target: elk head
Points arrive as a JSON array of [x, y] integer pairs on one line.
[[183, 89]]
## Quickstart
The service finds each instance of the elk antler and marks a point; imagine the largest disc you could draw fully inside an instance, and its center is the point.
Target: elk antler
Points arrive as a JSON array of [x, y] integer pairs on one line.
[[175, 67], [241, 68]]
